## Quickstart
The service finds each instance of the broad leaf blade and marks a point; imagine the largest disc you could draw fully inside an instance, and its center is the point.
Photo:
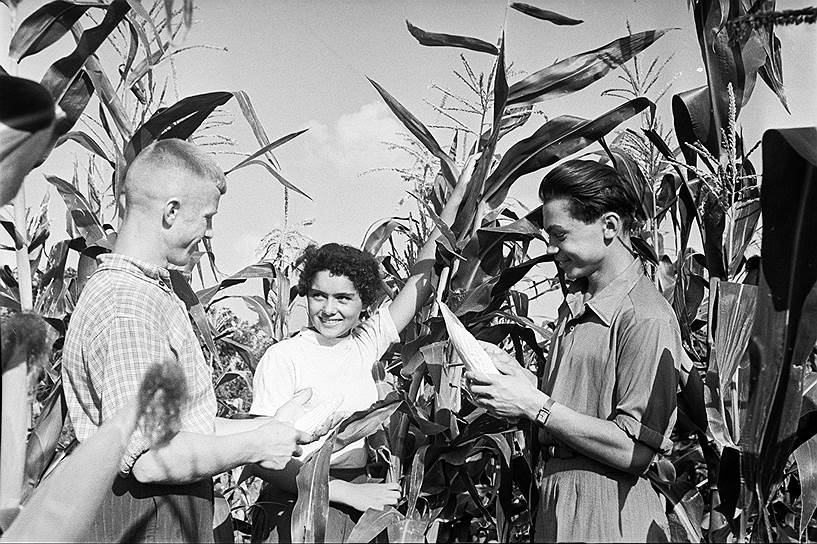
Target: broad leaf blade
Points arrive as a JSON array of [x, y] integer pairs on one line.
[[311, 511], [44, 27], [62, 73], [785, 327], [544, 15], [279, 142], [449, 40], [420, 132], [162, 120], [83, 216], [372, 523], [553, 141], [579, 71]]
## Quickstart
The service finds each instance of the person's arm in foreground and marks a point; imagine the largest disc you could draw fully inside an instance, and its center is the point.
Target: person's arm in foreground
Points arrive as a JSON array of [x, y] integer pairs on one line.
[[418, 286], [189, 457], [512, 395]]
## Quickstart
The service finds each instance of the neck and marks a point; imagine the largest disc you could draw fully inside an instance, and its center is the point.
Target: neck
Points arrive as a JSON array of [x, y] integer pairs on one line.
[[139, 242], [616, 262]]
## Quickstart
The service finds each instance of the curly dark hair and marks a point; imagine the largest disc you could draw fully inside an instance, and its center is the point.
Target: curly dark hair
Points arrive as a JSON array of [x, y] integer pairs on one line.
[[342, 260]]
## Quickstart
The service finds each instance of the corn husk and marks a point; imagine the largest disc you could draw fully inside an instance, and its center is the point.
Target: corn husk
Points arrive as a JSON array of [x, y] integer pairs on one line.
[[467, 347]]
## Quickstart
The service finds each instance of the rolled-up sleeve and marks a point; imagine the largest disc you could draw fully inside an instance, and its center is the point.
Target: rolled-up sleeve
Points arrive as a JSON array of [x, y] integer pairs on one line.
[[646, 380], [131, 346]]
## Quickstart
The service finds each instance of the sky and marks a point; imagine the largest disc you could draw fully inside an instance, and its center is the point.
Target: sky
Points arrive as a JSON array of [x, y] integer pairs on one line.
[[304, 64]]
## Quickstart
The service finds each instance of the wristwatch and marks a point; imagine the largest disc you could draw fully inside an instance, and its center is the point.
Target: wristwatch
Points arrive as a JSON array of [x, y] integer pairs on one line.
[[544, 412]]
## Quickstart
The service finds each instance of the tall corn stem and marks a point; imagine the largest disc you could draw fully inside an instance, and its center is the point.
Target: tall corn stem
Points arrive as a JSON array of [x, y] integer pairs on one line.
[[16, 410]]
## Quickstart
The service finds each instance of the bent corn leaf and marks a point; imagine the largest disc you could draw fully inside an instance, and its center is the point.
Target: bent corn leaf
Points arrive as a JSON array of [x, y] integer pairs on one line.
[[44, 27], [432, 39], [545, 15], [419, 130], [579, 71]]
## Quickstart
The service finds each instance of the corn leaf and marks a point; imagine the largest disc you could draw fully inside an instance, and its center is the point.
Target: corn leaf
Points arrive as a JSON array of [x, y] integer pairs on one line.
[[60, 75], [83, 216], [377, 237], [806, 457], [86, 141], [277, 175], [44, 27], [164, 119], [74, 101], [577, 72], [311, 511], [415, 481], [407, 530], [372, 523], [258, 270], [554, 140], [277, 143], [42, 441], [419, 130], [544, 14], [196, 310], [448, 40], [365, 422], [785, 327], [731, 323], [257, 127]]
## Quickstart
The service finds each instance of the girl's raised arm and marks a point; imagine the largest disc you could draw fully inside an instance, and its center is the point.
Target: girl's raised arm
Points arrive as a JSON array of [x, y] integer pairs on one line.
[[418, 286]]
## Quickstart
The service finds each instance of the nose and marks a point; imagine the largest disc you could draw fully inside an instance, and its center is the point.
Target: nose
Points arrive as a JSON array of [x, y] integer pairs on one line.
[[329, 306]]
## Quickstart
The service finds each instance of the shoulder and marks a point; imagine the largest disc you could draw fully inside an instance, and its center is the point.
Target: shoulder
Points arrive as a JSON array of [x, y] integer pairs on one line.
[[645, 303], [281, 354]]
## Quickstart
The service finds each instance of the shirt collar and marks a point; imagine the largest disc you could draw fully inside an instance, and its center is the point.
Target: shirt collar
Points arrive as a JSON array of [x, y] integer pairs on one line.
[[605, 303], [117, 261]]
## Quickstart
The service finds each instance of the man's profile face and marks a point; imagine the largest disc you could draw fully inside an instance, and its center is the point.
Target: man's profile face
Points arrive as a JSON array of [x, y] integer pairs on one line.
[[193, 223]]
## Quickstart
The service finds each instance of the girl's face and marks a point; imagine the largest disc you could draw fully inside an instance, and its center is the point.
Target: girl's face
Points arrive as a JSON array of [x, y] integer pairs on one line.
[[578, 247], [334, 305]]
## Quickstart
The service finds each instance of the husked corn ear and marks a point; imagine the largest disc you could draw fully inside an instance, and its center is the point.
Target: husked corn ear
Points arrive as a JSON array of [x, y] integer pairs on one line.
[[312, 421], [467, 347]]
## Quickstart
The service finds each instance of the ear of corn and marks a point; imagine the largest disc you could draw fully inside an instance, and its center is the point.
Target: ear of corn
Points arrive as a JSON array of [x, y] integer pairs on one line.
[[467, 347], [312, 421]]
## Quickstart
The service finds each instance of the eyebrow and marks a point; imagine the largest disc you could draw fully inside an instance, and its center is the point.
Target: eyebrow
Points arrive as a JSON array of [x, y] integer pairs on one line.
[[338, 294]]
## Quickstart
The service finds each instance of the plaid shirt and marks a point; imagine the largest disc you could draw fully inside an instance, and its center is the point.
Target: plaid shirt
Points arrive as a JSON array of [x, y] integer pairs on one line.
[[127, 319]]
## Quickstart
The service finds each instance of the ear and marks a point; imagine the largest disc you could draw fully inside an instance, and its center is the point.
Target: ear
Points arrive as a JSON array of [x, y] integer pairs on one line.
[[612, 225], [171, 211]]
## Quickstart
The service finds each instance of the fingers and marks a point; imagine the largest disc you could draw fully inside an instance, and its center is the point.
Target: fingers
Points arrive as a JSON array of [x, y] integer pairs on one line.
[[304, 438], [472, 378]]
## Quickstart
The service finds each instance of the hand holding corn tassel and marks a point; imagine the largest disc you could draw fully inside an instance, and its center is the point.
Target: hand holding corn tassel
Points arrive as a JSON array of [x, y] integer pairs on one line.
[[475, 358]]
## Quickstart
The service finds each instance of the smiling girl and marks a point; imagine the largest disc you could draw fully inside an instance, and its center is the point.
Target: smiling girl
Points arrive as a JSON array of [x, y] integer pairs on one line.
[[334, 357]]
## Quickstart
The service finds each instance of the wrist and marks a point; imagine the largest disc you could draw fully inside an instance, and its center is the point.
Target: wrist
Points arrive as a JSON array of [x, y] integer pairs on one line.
[[535, 404], [338, 490]]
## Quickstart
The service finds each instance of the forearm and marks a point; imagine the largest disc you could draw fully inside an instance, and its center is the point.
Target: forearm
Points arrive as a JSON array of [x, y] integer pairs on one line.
[[599, 439], [339, 490], [226, 426], [190, 457]]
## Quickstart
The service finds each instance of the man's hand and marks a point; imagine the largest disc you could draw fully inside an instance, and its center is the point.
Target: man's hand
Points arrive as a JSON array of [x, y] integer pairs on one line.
[[511, 394], [277, 443], [363, 496]]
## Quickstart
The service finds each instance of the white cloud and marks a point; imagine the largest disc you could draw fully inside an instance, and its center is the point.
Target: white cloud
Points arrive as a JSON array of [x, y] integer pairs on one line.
[[354, 143]]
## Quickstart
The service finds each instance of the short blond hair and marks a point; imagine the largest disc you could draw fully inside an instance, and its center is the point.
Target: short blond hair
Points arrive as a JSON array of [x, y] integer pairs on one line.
[[173, 154]]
